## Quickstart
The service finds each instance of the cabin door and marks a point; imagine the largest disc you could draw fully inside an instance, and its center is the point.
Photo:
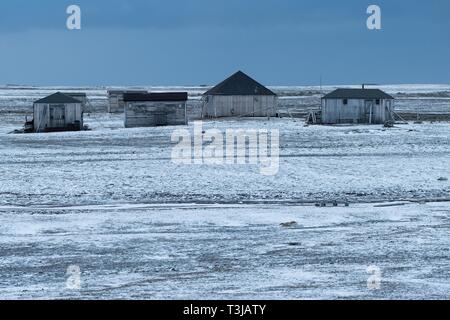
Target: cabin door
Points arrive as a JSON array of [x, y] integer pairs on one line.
[[57, 117], [369, 111]]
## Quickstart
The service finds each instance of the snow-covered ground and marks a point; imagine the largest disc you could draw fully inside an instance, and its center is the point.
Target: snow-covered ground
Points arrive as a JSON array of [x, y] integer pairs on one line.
[[112, 164], [112, 202], [225, 251]]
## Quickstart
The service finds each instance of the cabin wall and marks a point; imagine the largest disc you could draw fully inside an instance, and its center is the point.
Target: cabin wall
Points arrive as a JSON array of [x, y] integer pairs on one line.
[[115, 103], [62, 116], [153, 114], [356, 111], [40, 117], [247, 106], [73, 113]]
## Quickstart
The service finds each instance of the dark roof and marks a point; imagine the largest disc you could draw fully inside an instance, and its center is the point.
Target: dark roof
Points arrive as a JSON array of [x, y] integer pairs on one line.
[[75, 94], [126, 91], [164, 96], [240, 84], [58, 98], [358, 94]]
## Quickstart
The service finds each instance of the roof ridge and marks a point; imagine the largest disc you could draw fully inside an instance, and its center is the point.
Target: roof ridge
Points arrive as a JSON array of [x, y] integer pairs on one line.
[[156, 96], [358, 93], [239, 83], [58, 97]]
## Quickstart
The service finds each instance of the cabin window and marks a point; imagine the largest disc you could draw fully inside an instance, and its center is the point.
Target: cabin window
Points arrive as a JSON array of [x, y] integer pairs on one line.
[[345, 102], [377, 102]]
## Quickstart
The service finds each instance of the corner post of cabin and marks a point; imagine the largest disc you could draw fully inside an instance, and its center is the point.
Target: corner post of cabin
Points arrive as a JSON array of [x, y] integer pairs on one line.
[[185, 113]]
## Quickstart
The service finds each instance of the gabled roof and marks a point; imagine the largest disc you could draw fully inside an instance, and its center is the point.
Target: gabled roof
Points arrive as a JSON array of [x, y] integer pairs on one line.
[[58, 98], [369, 94], [240, 84], [164, 96]]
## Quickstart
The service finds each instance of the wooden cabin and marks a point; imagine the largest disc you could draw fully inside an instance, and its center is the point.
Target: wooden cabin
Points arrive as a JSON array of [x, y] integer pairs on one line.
[[57, 112], [352, 106], [155, 109], [115, 99], [239, 96]]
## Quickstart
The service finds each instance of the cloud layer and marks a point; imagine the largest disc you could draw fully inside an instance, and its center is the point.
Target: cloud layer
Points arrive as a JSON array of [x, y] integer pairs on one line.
[[202, 41]]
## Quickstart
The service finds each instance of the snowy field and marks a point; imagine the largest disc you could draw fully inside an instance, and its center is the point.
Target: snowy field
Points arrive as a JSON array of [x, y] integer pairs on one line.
[[112, 164], [139, 226], [225, 251]]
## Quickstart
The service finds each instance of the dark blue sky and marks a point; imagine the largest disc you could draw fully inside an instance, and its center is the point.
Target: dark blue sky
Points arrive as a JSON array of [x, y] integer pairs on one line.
[[183, 42]]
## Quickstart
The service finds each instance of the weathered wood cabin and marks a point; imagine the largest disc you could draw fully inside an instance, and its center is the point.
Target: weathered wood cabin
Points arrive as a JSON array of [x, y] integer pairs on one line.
[[115, 99], [155, 109], [348, 106], [239, 96], [57, 112]]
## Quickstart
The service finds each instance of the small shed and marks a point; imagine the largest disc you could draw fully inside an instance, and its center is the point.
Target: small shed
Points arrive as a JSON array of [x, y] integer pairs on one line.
[[115, 99], [348, 106], [155, 109], [57, 112], [239, 96]]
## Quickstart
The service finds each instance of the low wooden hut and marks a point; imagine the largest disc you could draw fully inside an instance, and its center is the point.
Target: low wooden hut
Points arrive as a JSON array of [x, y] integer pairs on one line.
[[366, 106], [57, 112]]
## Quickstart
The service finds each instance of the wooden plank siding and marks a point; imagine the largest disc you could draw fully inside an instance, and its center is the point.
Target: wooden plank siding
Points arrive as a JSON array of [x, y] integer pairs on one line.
[[57, 116], [334, 111], [115, 103], [217, 106], [153, 114]]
